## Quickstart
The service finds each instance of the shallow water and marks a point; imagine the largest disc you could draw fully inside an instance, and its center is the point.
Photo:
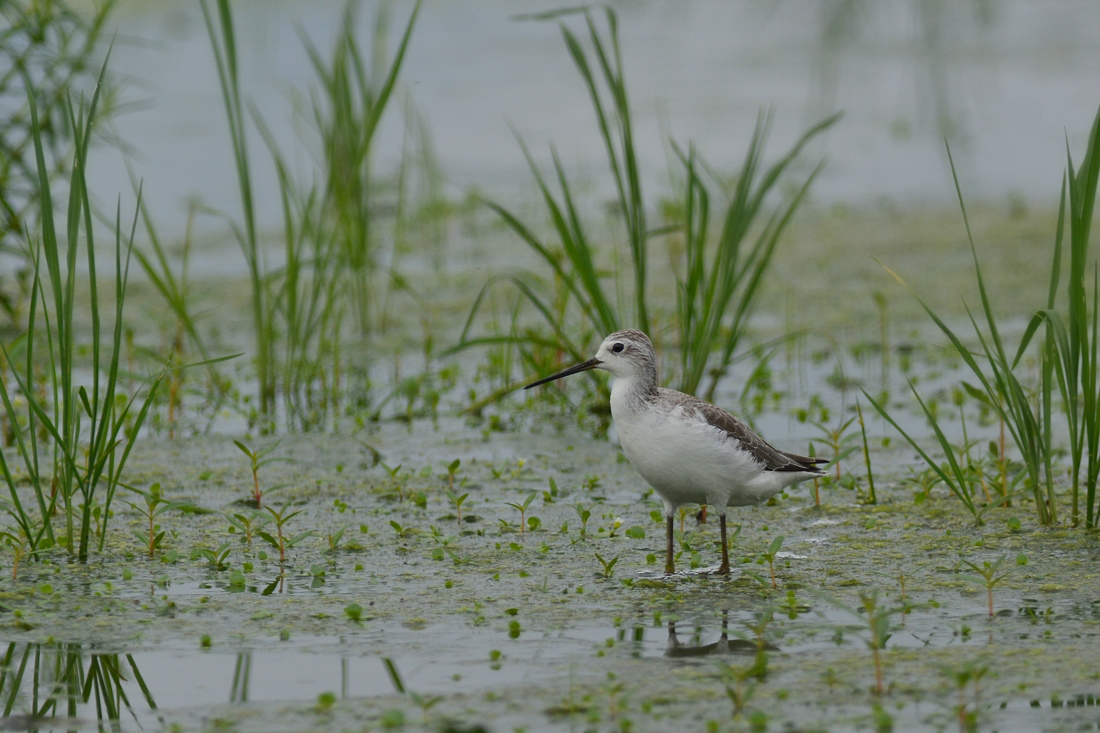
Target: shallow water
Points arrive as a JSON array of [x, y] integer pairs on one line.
[[1005, 82], [523, 631]]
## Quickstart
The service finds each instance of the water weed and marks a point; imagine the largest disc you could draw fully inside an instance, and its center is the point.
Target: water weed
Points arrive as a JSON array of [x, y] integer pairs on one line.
[[280, 541], [715, 294], [986, 575], [81, 424], [1068, 363], [152, 506], [258, 457], [521, 507]]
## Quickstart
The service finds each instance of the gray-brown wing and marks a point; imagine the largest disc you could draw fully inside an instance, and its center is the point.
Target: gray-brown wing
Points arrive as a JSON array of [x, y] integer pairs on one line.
[[772, 458]]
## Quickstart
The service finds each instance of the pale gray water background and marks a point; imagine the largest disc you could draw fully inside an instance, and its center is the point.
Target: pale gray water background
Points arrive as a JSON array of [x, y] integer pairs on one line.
[[1005, 82]]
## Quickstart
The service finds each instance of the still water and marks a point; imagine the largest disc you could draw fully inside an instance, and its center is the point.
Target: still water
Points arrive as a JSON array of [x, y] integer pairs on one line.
[[1006, 83]]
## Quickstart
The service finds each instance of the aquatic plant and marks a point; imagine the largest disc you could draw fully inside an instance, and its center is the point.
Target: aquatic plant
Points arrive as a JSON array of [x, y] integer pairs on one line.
[[583, 513], [521, 507], [452, 471], [770, 555], [837, 439], [280, 541], [424, 702], [718, 288], [332, 256], [1069, 362], [986, 575], [1072, 342], [217, 558], [962, 676], [715, 292], [153, 505], [258, 458], [457, 501], [607, 566], [18, 542], [174, 289], [57, 679], [224, 45], [245, 522], [334, 539], [79, 425], [55, 46], [877, 618], [871, 498]]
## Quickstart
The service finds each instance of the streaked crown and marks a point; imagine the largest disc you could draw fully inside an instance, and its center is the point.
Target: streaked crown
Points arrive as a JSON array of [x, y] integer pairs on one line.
[[629, 354]]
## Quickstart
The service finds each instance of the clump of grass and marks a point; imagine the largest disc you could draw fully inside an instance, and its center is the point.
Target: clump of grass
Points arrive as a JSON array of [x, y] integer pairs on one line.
[[1070, 350], [80, 425], [56, 46], [332, 252], [716, 285], [1069, 363]]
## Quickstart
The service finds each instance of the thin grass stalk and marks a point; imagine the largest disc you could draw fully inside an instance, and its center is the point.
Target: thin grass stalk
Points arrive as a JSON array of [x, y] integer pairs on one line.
[[356, 98], [174, 290], [1001, 386], [956, 481], [625, 171], [717, 292], [76, 471], [224, 46], [1082, 199]]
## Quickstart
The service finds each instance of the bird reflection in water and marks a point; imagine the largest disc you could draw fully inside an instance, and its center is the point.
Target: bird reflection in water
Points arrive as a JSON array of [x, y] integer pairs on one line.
[[676, 650]]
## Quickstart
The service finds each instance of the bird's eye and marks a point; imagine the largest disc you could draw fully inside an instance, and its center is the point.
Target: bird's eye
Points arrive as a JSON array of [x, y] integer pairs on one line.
[[617, 348]]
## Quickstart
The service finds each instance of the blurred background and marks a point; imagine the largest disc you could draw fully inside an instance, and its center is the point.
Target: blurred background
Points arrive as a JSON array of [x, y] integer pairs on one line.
[[1005, 82]]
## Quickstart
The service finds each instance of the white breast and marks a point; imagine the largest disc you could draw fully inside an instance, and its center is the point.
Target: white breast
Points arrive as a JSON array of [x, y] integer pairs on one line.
[[687, 460]]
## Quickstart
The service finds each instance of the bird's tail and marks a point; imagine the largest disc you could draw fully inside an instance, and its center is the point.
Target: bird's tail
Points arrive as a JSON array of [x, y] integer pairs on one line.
[[809, 464]]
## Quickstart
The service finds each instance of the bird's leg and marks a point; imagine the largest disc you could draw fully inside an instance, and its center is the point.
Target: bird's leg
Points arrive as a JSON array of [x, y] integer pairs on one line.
[[670, 568], [724, 568]]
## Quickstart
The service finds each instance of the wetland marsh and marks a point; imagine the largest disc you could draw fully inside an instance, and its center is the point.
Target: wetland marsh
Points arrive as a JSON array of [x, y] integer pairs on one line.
[[380, 534]]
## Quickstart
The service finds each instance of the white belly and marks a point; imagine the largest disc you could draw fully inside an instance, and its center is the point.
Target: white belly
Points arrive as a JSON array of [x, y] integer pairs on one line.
[[687, 460]]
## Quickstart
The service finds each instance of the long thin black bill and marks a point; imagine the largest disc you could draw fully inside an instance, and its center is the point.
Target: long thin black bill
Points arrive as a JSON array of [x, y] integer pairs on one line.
[[582, 367]]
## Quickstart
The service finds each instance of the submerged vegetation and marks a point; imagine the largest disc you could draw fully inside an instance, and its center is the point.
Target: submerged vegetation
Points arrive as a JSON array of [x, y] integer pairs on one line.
[[501, 546]]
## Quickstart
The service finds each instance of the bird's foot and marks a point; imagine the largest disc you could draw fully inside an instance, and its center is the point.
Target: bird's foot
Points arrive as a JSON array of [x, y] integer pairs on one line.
[[723, 569], [670, 569]]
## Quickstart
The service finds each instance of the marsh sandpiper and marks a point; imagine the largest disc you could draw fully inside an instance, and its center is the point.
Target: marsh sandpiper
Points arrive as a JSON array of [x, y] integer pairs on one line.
[[688, 450]]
